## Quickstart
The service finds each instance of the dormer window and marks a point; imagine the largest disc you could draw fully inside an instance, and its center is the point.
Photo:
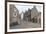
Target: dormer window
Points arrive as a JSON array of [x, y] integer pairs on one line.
[[15, 9]]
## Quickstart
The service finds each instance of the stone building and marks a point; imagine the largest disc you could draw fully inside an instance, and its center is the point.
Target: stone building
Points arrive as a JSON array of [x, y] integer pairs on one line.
[[27, 15], [35, 15], [37, 18], [14, 14], [34, 12], [32, 15]]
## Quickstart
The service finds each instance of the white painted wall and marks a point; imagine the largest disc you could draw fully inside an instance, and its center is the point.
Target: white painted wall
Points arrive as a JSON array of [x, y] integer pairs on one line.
[[21, 16]]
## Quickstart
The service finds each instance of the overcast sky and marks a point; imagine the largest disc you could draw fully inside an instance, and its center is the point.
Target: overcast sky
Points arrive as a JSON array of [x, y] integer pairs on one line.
[[25, 7]]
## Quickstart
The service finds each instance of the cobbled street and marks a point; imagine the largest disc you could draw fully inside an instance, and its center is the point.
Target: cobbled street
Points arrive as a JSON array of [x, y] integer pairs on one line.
[[25, 24]]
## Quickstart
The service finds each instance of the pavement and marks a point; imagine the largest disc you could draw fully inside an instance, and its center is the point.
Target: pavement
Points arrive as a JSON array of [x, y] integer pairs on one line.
[[25, 24]]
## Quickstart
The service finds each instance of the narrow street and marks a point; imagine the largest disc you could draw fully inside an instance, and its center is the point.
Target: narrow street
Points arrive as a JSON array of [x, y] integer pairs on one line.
[[25, 24]]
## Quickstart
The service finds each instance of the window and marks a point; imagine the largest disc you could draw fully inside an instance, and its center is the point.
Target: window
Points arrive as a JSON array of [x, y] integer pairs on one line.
[[14, 14]]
